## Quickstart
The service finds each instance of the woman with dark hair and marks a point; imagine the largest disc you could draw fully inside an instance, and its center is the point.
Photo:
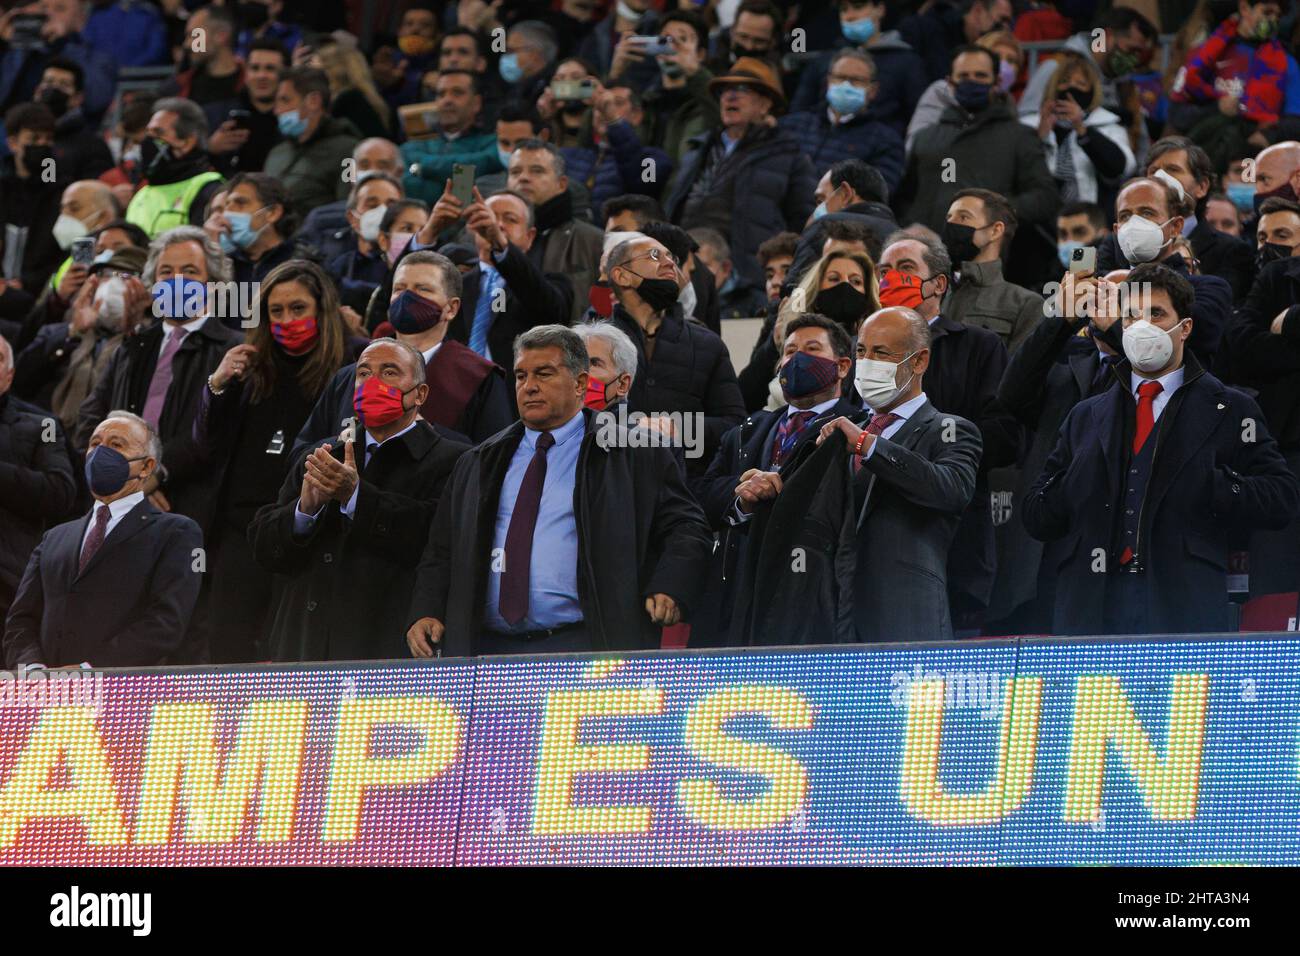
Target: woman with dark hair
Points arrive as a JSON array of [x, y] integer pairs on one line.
[[252, 407]]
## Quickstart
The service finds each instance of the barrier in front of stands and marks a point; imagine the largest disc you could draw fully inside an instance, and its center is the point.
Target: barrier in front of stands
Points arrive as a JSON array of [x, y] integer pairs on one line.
[[1174, 750]]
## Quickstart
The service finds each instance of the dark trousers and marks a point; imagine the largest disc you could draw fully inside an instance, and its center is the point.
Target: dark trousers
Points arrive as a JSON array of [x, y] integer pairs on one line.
[[237, 604], [570, 640], [1126, 603], [1275, 555]]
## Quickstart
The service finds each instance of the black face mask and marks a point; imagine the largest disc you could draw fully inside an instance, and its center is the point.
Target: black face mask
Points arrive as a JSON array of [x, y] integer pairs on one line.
[[842, 303], [1271, 252], [55, 99], [1079, 96], [34, 158], [659, 294], [959, 240], [1282, 192], [738, 51], [154, 156]]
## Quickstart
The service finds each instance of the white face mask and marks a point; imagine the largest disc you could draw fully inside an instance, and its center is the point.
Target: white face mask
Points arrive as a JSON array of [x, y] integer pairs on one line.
[[110, 304], [1141, 239], [1148, 347], [876, 381], [687, 300], [67, 229], [369, 223]]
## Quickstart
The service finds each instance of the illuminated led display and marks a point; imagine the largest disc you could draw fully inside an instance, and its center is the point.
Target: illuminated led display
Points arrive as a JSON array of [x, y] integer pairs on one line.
[[1168, 751]]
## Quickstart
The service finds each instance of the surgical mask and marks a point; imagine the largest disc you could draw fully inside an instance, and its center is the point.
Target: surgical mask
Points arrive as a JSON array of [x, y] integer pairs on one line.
[[1006, 76], [397, 243], [687, 299], [102, 257], [804, 374], [242, 234], [819, 211], [1148, 347], [370, 221], [510, 69], [110, 304], [1141, 240], [972, 96], [876, 382], [846, 99], [1242, 195], [504, 156], [291, 124], [132, 154], [67, 229], [1064, 250], [108, 470], [858, 31]]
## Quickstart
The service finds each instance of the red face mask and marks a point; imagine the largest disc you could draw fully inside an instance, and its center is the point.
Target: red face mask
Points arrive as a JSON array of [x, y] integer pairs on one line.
[[601, 298], [378, 404], [296, 335], [596, 398], [900, 289]]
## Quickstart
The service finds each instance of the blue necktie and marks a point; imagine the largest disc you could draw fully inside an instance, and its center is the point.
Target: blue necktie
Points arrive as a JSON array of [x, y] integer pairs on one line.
[[478, 334]]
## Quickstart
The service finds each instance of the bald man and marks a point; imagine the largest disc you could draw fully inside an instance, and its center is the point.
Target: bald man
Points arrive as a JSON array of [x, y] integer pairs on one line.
[[1277, 173], [86, 207]]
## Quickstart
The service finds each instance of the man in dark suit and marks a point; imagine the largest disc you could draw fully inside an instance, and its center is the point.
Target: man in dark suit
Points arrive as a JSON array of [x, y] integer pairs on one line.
[[565, 532], [467, 392], [818, 357], [115, 588], [157, 373], [914, 475], [349, 525], [966, 364], [1149, 480]]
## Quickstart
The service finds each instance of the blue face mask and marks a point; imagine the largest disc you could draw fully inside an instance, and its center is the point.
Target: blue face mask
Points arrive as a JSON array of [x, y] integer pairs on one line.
[[510, 69], [291, 124], [242, 234], [108, 470], [1066, 249], [1242, 195], [858, 31], [972, 96], [845, 98], [179, 299], [228, 247], [504, 157], [819, 211]]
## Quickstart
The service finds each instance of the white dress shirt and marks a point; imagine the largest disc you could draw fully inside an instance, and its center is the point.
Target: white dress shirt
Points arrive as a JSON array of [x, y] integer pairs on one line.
[[117, 510], [428, 356], [303, 522], [169, 329], [1172, 382]]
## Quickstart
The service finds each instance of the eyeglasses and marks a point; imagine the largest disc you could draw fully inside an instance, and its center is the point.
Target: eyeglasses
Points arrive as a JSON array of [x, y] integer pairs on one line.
[[654, 255]]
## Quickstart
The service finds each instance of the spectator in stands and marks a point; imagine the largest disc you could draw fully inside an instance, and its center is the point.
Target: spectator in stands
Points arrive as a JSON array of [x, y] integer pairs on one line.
[[128, 136], [756, 31], [816, 362], [1222, 215], [940, 28], [735, 301], [612, 160], [326, 228], [361, 269], [626, 526], [417, 38], [1079, 224], [612, 364], [1237, 84], [847, 128], [80, 153], [29, 197], [23, 61], [564, 245], [1265, 353], [679, 104], [251, 408], [966, 365], [605, 48], [259, 224], [900, 74], [745, 179], [351, 513], [468, 393], [265, 20], [353, 96], [1041, 20], [459, 140], [528, 62], [158, 372], [1165, 561], [682, 367], [981, 140], [851, 191], [464, 49], [515, 123], [180, 179], [37, 487], [568, 110], [242, 143], [776, 256], [58, 367], [133, 34], [85, 207], [402, 220], [697, 293], [1277, 173], [938, 96], [1084, 143], [215, 74], [310, 159], [630, 212], [980, 227], [93, 597]]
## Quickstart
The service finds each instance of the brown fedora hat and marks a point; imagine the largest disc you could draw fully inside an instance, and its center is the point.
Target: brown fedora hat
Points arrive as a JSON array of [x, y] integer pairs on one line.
[[751, 71]]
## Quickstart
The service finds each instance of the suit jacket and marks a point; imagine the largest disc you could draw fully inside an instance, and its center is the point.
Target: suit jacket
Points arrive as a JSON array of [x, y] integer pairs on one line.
[[1206, 483], [571, 249], [129, 608], [1268, 361], [1228, 257], [639, 533], [192, 481], [909, 497], [348, 581]]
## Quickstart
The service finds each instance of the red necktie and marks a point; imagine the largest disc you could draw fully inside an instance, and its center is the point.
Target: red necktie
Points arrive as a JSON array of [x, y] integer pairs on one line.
[[1146, 417], [877, 425], [512, 602]]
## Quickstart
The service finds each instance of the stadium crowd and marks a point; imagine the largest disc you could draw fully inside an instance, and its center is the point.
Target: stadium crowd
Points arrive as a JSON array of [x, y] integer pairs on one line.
[[367, 329]]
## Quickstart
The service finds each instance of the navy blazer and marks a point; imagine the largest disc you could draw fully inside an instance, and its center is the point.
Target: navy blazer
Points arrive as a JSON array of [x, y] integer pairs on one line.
[[130, 607]]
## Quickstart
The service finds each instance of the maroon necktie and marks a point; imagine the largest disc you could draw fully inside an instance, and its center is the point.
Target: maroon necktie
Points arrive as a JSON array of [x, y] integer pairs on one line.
[[512, 602], [162, 378], [96, 537], [877, 425], [787, 435]]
